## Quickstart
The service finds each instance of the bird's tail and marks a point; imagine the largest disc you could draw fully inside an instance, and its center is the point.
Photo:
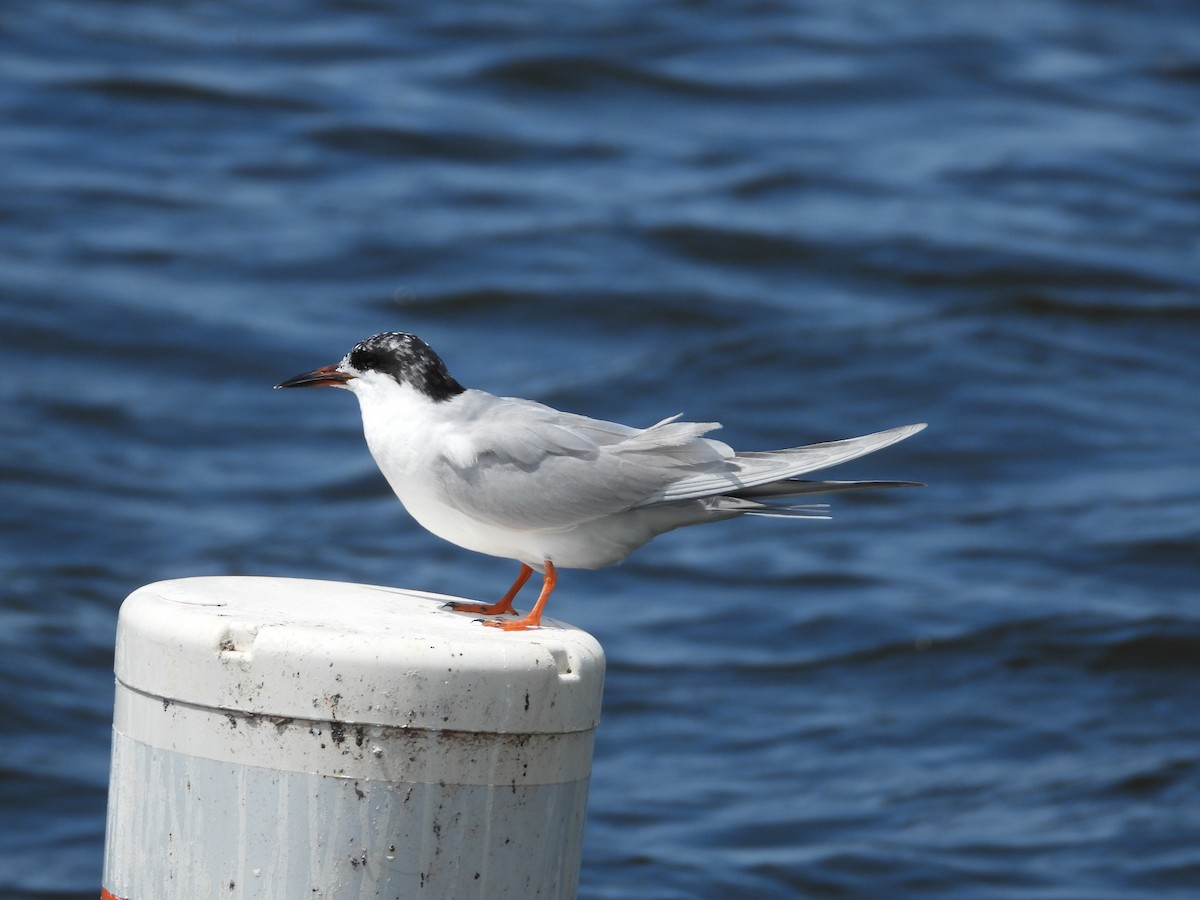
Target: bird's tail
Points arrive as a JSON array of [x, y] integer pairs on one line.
[[750, 501], [792, 487]]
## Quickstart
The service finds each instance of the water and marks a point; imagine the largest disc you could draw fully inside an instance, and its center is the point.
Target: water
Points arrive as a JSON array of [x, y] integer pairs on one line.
[[805, 220]]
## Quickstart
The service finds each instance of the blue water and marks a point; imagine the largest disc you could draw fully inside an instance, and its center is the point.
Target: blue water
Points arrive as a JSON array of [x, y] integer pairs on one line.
[[804, 220]]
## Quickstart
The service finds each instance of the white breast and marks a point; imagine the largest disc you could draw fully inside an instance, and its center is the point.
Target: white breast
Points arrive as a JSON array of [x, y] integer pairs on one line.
[[425, 451], [417, 445]]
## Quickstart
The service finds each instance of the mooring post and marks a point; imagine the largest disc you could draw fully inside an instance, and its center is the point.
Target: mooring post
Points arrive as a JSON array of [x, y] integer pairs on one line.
[[285, 738]]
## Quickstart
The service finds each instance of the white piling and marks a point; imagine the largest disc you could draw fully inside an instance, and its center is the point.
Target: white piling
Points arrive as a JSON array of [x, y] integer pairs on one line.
[[283, 738]]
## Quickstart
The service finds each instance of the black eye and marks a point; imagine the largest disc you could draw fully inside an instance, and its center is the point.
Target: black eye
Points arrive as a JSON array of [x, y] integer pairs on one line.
[[363, 359]]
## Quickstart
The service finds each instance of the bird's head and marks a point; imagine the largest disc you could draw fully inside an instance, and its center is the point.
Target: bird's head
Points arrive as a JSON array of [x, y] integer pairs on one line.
[[383, 361]]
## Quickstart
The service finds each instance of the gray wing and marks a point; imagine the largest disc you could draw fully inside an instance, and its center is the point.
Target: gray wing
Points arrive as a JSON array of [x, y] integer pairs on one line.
[[532, 467], [747, 471]]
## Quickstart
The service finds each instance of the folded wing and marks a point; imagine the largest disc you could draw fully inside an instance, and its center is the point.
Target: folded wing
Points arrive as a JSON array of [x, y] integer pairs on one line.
[[534, 468], [758, 474]]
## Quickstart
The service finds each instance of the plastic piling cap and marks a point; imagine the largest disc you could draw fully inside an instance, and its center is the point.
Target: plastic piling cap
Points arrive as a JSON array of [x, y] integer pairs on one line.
[[294, 648]]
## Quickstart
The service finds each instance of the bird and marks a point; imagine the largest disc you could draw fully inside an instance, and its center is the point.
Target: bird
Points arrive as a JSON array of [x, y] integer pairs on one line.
[[520, 480]]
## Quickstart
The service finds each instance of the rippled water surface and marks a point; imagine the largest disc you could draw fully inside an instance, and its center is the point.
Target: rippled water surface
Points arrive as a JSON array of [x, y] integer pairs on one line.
[[805, 220]]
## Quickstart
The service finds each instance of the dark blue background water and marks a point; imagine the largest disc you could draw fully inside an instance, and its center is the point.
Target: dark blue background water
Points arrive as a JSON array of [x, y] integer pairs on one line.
[[805, 220]]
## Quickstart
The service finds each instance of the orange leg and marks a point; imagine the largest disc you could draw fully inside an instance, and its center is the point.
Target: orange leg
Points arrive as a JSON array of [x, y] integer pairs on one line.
[[534, 619], [504, 605]]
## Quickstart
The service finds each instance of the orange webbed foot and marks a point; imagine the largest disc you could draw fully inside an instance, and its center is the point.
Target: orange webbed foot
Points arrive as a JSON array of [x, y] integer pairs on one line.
[[482, 609], [501, 606], [523, 624]]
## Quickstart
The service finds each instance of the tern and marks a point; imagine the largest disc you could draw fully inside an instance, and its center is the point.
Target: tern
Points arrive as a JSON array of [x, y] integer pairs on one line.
[[549, 489]]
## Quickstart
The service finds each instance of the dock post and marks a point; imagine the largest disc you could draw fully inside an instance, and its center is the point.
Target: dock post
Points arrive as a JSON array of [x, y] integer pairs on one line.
[[285, 738]]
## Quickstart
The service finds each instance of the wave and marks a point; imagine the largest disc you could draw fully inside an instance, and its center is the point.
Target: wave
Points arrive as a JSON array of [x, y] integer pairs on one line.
[[165, 91], [1081, 643]]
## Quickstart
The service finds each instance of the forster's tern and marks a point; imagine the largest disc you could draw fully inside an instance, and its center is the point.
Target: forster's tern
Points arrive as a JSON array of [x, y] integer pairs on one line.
[[549, 489]]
